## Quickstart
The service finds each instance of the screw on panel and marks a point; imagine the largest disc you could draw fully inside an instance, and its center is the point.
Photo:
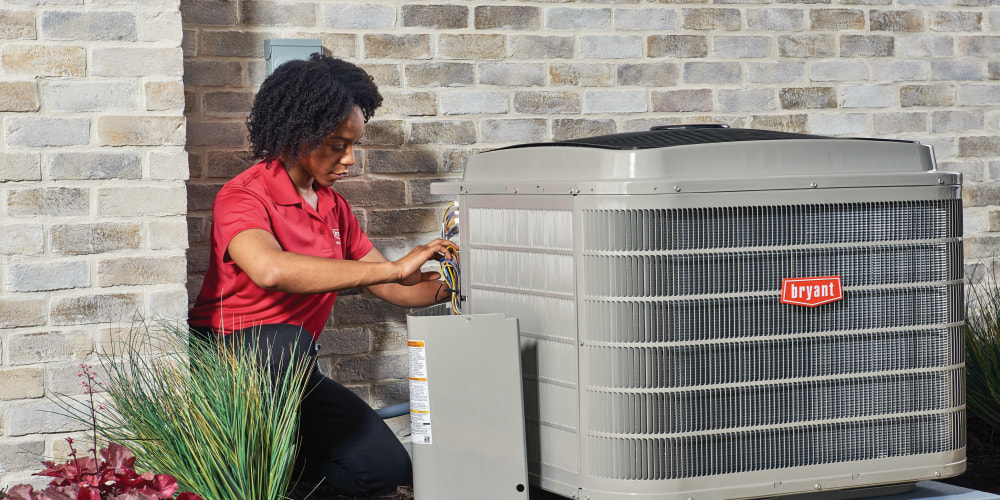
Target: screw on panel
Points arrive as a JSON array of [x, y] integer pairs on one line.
[[940, 181], [574, 192], [777, 484], [813, 185], [937, 474], [677, 189], [817, 487], [515, 190]]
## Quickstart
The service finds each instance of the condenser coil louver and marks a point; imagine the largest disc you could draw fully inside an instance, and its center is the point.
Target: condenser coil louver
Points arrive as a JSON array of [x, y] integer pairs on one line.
[[659, 361]]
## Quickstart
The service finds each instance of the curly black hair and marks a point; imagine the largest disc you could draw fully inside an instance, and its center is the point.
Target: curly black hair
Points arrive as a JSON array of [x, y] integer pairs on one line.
[[301, 103]]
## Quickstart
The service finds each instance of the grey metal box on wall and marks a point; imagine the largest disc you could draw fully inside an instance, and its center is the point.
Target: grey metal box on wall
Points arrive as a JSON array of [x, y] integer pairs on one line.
[[662, 354]]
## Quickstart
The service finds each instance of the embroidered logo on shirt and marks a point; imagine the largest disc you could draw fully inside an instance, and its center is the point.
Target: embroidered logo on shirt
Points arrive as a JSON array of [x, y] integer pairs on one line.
[[336, 234]]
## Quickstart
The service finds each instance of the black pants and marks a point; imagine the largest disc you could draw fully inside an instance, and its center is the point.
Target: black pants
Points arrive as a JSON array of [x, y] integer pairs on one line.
[[344, 445]]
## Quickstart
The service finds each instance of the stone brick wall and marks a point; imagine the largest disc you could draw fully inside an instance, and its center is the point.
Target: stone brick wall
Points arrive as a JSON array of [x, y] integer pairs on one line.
[[92, 198]]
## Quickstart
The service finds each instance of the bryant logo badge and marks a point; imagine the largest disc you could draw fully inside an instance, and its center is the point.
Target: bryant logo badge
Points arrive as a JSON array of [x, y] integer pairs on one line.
[[811, 292]]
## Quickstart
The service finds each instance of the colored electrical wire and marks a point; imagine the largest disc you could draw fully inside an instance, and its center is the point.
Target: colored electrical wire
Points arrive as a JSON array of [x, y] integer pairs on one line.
[[450, 266]]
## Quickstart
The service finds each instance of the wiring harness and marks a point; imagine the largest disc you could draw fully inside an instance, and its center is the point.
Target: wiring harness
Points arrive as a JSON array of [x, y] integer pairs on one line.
[[450, 267]]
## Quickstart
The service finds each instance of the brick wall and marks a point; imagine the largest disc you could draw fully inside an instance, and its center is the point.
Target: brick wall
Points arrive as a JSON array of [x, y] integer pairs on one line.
[[91, 112], [92, 198]]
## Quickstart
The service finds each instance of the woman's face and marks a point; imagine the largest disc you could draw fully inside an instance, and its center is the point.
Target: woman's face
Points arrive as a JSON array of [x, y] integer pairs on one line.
[[330, 161]]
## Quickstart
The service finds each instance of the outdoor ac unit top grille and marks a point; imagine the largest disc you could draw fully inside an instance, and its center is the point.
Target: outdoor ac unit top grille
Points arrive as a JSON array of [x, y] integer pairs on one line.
[[667, 137], [766, 226]]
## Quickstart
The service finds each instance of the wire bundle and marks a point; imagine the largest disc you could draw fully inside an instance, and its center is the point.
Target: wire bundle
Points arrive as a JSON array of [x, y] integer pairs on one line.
[[449, 267]]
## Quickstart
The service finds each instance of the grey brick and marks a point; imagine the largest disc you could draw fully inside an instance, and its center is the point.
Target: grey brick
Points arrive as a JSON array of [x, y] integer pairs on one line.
[[682, 46], [21, 383], [512, 75], [976, 146], [201, 196], [837, 19], [614, 101], [925, 46], [152, 200], [398, 161], [464, 102], [383, 74], [807, 45], [867, 46], [41, 418], [20, 312], [17, 455], [517, 130], [20, 167], [980, 46], [741, 46], [472, 46], [649, 75], [575, 18], [899, 123], [956, 20], [868, 96], [409, 103], [140, 271], [582, 75], [978, 95], [43, 131], [783, 123], [210, 12], [24, 239], [137, 61], [396, 222], [440, 17], [384, 133], [776, 72], [91, 26], [507, 17], [213, 73], [972, 171], [541, 47], [95, 308], [377, 192], [47, 275], [164, 96], [365, 368], [227, 164], [83, 239], [49, 346], [926, 95], [958, 70], [744, 100], [356, 340], [808, 98], [957, 121], [363, 16], [17, 25], [168, 234], [776, 19], [19, 96], [265, 13], [155, 26], [227, 104], [439, 74], [76, 96], [221, 134], [838, 71], [420, 191], [51, 201], [443, 132], [711, 19], [572, 128], [713, 72], [896, 20], [900, 70], [402, 46], [684, 100], [453, 160], [981, 195], [853, 124], [610, 46], [653, 19], [146, 130]]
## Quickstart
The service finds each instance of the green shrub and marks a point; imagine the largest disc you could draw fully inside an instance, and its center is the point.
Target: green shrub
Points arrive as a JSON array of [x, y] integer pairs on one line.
[[214, 418], [982, 344]]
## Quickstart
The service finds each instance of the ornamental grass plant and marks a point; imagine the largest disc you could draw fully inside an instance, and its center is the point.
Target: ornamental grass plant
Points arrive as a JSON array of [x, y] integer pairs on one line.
[[219, 420], [982, 344]]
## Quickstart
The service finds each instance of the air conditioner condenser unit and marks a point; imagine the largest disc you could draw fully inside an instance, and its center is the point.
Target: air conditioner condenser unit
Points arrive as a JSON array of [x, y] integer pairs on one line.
[[715, 313]]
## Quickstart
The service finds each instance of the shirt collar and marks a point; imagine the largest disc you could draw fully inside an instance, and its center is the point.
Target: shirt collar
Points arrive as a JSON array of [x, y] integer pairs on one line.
[[283, 191]]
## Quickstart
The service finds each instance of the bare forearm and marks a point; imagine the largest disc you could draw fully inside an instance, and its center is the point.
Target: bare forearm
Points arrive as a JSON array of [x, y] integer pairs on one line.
[[422, 294], [296, 273]]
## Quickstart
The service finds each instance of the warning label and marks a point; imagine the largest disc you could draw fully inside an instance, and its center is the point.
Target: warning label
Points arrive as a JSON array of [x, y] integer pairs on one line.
[[420, 402]]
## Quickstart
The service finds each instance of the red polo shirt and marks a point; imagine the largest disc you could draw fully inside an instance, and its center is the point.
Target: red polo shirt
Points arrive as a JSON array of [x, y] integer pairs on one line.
[[263, 197]]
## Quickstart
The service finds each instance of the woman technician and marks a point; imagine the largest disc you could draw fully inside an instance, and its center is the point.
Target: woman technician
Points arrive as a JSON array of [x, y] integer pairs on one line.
[[283, 244]]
